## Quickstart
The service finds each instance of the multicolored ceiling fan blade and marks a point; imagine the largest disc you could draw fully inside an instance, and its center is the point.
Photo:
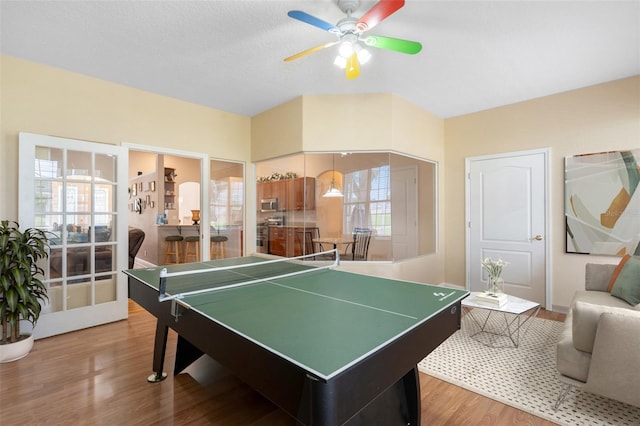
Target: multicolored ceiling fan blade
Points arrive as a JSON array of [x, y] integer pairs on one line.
[[395, 44], [312, 20], [353, 67], [313, 49], [382, 10]]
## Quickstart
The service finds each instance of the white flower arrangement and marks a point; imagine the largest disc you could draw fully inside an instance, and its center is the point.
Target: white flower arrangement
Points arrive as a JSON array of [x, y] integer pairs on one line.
[[494, 267]]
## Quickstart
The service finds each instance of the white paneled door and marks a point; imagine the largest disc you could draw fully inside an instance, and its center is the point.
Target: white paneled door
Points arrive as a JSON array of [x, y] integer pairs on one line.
[[507, 218], [77, 192]]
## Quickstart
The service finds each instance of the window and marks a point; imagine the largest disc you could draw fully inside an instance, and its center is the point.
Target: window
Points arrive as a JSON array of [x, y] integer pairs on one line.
[[367, 200], [227, 201]]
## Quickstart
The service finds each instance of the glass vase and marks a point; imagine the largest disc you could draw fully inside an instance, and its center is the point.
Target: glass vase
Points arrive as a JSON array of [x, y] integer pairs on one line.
[[495, 285]]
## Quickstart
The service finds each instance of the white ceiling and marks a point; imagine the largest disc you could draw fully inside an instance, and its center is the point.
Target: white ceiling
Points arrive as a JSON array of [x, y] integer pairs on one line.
[[229, 54]]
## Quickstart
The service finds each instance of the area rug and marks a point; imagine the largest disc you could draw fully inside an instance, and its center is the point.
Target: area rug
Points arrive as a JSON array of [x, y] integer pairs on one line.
[[524, 377]]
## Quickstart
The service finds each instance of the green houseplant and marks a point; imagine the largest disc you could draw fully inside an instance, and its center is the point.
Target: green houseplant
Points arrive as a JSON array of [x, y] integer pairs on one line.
[[21, 291]]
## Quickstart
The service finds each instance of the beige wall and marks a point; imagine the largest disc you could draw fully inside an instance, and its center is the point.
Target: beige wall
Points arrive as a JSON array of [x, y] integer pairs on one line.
[[40, 99], [45, 100], [593, 119], [277, 132]]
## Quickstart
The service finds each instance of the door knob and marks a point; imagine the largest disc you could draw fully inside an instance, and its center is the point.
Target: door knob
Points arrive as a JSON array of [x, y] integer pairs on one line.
[[537, 237]]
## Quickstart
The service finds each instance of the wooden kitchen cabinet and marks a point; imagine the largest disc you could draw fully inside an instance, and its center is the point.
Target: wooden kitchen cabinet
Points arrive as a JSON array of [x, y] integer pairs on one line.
[[292, 194], [278, 240], [301, 193], [275, 189], [282, 241]]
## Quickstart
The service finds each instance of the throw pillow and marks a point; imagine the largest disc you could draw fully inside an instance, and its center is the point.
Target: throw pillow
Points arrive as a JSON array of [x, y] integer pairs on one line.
[[627, 284], [616, 272]]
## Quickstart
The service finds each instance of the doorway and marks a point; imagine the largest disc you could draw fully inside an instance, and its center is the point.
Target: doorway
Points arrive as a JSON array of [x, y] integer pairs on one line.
[[507, 217]]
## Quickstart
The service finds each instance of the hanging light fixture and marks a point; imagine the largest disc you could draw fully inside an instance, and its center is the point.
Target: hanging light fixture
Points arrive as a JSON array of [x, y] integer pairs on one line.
[[333, 192]]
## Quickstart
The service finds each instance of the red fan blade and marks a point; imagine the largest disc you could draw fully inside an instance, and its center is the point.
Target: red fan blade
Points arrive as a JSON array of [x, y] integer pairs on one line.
[[379, 12]]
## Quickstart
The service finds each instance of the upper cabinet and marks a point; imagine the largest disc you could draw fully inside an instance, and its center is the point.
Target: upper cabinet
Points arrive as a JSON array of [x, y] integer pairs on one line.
[[292, 194], [274, 189], [301, 193]]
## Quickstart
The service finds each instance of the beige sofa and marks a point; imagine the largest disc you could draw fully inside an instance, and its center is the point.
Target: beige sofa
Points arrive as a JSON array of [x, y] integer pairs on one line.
[[599, 349]]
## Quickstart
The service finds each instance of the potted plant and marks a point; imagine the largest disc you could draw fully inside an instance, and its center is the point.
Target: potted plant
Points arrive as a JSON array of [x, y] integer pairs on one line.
[[21, 291]]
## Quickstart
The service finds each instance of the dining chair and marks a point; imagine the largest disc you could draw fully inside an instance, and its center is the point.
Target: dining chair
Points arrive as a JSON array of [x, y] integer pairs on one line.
[[360, 246], [306, 239]]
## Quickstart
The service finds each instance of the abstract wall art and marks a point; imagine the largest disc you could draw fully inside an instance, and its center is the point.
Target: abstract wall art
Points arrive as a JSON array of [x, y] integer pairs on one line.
[[602, 203]]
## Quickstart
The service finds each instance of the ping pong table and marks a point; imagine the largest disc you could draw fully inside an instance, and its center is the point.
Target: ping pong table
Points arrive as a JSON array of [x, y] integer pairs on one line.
[[328, 347]]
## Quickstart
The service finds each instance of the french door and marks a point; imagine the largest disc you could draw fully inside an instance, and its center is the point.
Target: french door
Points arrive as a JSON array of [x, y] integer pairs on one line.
[[77, 192]]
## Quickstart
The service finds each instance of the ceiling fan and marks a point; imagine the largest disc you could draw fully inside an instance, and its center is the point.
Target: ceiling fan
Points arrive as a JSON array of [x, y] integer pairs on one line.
[[350, 33]]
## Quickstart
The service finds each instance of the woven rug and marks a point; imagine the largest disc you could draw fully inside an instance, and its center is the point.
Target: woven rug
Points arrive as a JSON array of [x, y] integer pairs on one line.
[[523, 377]]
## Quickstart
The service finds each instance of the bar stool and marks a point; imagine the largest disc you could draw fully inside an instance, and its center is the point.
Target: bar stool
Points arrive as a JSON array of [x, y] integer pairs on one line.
[[172, 248], [217, 246], [192, 248]]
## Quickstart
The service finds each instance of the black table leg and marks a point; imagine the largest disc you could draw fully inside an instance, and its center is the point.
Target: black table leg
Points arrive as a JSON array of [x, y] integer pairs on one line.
[[159, 350], [411, 382]]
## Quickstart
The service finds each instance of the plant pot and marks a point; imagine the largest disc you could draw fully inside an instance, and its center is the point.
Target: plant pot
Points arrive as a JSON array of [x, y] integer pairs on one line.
[[14, 351]]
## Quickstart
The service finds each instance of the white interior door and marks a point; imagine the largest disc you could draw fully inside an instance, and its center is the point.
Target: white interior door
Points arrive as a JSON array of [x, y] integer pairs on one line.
[[77, 191], [507, 218]]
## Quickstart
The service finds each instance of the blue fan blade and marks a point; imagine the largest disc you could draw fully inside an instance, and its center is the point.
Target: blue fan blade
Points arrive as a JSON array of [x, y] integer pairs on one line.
[[312, 20]]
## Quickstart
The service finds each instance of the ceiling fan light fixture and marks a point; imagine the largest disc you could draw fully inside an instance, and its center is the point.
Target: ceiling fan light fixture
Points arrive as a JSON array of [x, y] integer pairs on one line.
[[349, 32], [363, 55], [346, 49], [340, 62]]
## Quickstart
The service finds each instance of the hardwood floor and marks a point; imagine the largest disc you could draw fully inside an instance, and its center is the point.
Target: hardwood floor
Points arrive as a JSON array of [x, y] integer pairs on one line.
[[98, 376]]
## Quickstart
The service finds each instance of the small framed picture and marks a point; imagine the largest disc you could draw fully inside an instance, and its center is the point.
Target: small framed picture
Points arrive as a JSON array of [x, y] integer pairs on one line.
[[134, 189], [152, 186]]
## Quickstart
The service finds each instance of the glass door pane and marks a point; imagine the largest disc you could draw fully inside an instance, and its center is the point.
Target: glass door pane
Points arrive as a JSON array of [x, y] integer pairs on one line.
[[226, 209]]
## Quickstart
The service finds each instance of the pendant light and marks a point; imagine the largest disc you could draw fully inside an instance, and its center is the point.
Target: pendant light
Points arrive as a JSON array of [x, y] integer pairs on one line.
[[333, 192]]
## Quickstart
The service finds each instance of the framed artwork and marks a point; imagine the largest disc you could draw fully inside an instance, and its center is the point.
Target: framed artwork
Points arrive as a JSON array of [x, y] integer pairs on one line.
[[134, 189], [152, 186], [602, 203]]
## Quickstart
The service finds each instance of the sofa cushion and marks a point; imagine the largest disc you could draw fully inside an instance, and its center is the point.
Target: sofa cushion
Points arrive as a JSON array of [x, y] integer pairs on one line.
[[627, 283], [585, 320], [597, 276]]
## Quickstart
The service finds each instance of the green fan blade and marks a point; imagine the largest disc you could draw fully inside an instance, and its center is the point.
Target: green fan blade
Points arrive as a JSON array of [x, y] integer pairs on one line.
[[395, 44]]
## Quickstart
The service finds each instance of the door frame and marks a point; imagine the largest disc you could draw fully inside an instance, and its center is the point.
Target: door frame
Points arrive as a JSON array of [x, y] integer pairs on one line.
[[546, 152], [204, 185]]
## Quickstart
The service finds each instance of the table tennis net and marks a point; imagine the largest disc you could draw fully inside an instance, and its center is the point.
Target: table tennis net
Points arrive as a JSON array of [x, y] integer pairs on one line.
[[205, 279]]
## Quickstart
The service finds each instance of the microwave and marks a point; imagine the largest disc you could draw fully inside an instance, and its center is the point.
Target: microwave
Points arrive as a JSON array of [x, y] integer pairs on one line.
[[269, 205]]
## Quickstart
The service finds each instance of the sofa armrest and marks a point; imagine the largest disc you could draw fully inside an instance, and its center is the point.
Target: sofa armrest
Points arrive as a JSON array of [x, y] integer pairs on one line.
[[597, 276], [586, 317], [614, 371]]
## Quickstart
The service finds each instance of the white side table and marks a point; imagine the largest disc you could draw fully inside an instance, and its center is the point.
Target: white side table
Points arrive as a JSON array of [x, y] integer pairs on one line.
[[493, 323]]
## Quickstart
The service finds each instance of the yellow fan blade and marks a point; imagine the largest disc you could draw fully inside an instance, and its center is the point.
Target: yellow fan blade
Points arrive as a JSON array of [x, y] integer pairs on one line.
[[306, 52], [353, 67]]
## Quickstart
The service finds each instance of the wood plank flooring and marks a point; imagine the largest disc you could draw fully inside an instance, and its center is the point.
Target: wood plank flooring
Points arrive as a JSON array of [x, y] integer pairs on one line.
[[98, 376]]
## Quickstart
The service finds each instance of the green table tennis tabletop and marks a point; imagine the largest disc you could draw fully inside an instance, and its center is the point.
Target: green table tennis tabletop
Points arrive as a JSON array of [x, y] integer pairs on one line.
[[323, 321]]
